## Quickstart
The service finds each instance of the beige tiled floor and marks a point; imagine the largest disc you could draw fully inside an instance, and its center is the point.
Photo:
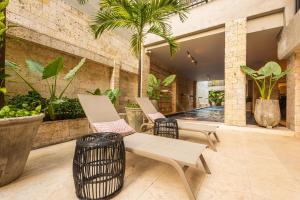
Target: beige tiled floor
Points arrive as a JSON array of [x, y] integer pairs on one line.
[[247, 166]]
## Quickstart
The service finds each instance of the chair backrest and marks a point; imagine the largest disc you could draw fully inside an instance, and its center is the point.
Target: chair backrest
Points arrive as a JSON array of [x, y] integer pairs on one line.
[[146, 105], [98, 108]]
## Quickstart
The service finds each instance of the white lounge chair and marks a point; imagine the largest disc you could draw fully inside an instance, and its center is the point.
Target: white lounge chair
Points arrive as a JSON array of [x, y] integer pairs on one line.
[[186, 125], [179, 154]]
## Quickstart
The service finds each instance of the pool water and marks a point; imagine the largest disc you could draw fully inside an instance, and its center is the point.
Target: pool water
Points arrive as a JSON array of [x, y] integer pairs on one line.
[[214, 113]]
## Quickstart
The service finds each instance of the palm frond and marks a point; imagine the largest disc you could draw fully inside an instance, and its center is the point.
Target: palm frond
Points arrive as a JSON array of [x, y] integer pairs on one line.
[[156, 30]]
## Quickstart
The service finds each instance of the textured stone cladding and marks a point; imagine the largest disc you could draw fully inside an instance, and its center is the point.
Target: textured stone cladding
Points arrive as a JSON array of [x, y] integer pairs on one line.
[[91, 76], [185, 94], [56, 24], [235, 81], [60, 131], [293, 94], [128, 88]]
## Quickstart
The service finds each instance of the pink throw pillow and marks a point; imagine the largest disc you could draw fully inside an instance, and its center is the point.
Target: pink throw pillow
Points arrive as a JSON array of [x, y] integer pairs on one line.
[[155, 116], [118, 126]]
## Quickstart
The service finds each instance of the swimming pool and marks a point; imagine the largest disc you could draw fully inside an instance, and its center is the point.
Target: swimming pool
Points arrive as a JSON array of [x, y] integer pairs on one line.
[[214, 113]]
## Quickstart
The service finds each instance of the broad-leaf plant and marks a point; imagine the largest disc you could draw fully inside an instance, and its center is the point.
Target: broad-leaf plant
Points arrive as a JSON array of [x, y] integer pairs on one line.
[[49, 74], [155, 86], [266, 77]]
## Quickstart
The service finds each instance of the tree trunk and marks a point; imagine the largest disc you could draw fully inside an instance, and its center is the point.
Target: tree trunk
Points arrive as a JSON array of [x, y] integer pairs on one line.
[[2, 66], [140, 73]]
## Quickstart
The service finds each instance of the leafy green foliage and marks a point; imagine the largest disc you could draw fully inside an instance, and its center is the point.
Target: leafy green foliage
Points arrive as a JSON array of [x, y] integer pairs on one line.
[[49, 73], [113, 94], [67, 109], [266, 77], [130, 104], [154, 91], [28, 101], [142, 18], [10, 111], [3, 28], [216, 97]]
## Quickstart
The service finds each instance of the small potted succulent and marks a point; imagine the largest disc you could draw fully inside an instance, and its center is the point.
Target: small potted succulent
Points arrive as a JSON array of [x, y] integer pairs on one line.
[[267, 111]]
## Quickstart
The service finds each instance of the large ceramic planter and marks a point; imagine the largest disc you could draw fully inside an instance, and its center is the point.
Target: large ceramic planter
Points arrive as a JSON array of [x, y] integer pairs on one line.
[[134, 118], [267, 112], [16, 138]]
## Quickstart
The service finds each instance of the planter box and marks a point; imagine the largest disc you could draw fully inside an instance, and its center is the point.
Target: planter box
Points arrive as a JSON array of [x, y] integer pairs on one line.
[[54, 132]]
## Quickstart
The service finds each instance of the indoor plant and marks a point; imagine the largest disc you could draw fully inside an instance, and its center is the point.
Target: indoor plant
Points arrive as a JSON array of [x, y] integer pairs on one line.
[[112, 94], [267, 111], [155, 91], [216, 98], [141, 18], [49, 74], [18, 126]]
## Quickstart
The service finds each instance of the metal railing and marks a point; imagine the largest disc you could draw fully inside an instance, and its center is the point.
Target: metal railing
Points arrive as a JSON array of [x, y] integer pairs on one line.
[[194, 3]]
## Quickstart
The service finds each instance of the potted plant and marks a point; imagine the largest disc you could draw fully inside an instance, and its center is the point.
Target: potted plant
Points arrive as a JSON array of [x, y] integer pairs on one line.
[[216, 98], [155, 92], [134, 115], [267, 111], [19, 125]]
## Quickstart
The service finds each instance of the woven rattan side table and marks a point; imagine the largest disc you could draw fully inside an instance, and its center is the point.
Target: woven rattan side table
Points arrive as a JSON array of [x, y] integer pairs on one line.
[[99, 166], [166, 127]]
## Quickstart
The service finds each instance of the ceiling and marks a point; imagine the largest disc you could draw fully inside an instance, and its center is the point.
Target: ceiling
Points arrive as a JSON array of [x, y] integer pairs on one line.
[[209, 52]]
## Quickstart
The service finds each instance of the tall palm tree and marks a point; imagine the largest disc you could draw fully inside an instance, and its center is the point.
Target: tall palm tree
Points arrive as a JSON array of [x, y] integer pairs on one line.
[[142, 17]]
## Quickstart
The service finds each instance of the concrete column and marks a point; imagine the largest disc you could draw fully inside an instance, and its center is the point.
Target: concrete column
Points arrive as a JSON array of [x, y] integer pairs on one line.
[[145, 73], [115, 77], [235, 79], [293, 94]]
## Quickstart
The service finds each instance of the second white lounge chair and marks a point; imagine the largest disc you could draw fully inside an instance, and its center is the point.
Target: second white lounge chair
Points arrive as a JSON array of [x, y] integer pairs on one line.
[[179, 154], [185, 125]]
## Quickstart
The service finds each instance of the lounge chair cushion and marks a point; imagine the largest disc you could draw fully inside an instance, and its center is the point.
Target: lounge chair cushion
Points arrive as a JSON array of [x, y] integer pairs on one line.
[[118, 126], [155, 116]]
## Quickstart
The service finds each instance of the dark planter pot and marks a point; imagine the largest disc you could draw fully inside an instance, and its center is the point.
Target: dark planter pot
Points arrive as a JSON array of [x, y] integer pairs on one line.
[[16, 138], [267, 112]]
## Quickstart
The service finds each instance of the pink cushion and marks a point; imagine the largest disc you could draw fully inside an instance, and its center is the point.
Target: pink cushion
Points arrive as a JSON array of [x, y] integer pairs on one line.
[[118, 126], [155, 116]]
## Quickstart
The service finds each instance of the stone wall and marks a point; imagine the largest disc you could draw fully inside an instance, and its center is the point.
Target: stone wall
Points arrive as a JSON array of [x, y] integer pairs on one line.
[[50, 133], [56, 24], [293, 94], [128, 88], [186, 94], [235, 80], [91, 76]]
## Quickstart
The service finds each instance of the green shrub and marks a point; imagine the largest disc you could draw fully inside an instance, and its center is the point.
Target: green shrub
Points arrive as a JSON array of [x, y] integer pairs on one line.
[[67, 109], [32, 100], [10, 111], [130, 104]]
